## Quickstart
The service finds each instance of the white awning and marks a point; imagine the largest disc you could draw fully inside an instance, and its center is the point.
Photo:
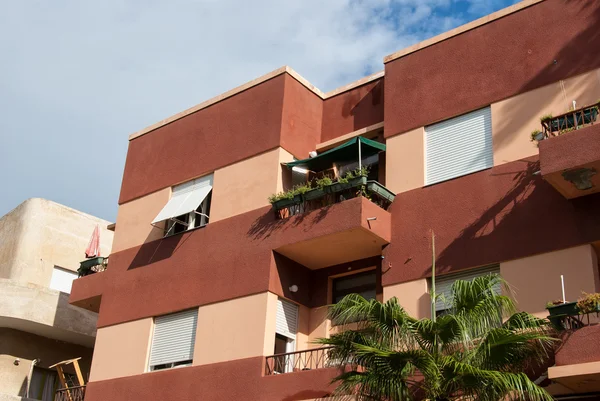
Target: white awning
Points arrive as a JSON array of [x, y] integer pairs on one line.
[[185, 198]]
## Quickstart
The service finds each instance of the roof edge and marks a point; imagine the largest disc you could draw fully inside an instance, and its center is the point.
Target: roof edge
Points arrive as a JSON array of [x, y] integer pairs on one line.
[[461, 29], [257, 81]]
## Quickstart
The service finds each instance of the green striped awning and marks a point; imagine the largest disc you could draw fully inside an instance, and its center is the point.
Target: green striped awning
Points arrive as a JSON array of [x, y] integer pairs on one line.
[[346, 152]]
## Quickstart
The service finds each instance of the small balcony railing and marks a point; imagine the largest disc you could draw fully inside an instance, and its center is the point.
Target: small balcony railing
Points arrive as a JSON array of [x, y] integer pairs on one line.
[[70, 394], [317, 358], [572, 120], [92, 265], [569, 316], [336, 192]]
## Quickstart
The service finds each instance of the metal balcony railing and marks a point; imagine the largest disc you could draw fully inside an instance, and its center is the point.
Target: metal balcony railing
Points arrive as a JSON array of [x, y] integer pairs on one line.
[[572, 120], [318, 198], [70, 394], [317, 358]]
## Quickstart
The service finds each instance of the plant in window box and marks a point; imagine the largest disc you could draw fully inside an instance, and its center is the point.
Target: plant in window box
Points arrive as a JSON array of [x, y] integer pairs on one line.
[[537, 135], [351, 179], [589, 303], [284, 199], [560, 308]]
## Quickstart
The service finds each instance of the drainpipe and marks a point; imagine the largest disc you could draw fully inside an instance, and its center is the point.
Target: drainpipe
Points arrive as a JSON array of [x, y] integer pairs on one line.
[[33, 363]]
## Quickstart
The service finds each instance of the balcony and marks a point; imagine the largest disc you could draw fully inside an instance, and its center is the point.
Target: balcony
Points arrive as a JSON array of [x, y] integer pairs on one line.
[[317, 358], [570, 152], [92, 265], [577, 358]]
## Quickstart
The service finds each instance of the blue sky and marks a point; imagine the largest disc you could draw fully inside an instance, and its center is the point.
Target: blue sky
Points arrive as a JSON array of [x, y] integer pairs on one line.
[[77, 78]]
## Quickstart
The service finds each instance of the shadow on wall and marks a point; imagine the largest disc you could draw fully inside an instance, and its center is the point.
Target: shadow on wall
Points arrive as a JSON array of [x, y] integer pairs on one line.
[[531, 217], [366, 109], [572, 60], [267, 224], [157, 250], [308, 395]]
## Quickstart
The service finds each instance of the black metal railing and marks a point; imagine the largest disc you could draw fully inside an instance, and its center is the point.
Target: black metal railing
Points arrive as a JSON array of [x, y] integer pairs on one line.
[[316, 358], [70, 394], [572, 120], [318, 198], [568, 316]]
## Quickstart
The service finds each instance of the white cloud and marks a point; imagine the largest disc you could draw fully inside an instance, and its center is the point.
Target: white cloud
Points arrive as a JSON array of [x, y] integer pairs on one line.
[[78, 77]]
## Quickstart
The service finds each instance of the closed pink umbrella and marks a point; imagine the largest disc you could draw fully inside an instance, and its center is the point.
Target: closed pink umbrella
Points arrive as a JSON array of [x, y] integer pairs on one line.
[[93, 248]]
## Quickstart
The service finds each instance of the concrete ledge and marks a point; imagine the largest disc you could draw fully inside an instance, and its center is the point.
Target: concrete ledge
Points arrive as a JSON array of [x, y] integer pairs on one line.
[[45, 312]]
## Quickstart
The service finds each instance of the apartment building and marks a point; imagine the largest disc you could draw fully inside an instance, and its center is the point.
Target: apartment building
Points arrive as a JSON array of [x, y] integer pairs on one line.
[[213, 293], [41, 246]]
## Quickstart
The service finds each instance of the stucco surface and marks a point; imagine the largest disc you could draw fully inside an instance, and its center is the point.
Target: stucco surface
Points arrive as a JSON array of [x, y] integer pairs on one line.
[[234, 329], [492, 62], [405, 161], [121, 350], [514, 119], [570, 150], [352, 110], [27, 347], [134, 217], [236, 380], [499, 214], [535, 280], [412, 296], [46, 312], [41, 234]]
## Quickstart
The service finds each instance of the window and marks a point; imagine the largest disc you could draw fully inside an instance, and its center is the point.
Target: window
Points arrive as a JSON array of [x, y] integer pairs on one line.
[[173, 340], [62, 279], [459, 146], [188, 208], [443, 286], [364, 284], [286, 328]]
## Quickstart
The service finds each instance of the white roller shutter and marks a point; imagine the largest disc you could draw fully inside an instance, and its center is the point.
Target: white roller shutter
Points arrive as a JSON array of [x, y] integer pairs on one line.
[[185, 198], [459, 146], [174, 337], [287, 319], [443, 284]]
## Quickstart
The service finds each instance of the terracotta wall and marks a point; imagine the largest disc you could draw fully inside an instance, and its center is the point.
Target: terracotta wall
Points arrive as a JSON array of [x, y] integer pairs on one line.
[[352, 110], [503, 213], [234, 129], [236, 380], [535, 280], [302, 112], [234, 329], [122, 350], [493, 62], [514, 118]]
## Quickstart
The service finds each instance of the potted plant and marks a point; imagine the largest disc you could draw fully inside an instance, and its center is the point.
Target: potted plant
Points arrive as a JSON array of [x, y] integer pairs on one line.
[[589, 303], [537, 135], [86, 266], [560, 308], [351, 179], [284, 199]]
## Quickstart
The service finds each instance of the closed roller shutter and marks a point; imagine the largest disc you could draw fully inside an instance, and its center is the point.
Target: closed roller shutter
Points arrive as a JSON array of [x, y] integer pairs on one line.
[[459, 146], [443, 284], [287, 319], [174, 337]]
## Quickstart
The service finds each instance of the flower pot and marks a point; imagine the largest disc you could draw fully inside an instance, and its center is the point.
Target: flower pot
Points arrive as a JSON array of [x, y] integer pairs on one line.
[[85, 267], [313, 194], [539, 136], [566, 309], [283, 203]]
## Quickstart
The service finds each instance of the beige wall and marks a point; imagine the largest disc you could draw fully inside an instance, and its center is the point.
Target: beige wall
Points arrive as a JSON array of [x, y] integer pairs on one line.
[[405, 161], [39, 234], [234, 329], [412, 296], [513, 119], [121, 350], [133, 220], [26, 347], [247, 185], [536, 280]]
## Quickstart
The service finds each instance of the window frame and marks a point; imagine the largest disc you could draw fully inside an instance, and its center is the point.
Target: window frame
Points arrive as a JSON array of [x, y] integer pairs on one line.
[[353, 290]]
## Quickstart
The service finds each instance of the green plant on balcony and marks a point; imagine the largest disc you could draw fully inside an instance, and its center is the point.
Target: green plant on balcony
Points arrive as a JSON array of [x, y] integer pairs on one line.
[[545, 117], [476, 351], [537, 135], [323, 182], [589, 303]]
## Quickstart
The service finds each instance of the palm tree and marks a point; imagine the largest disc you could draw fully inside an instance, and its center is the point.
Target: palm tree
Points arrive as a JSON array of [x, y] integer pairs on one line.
[[479, 350]]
